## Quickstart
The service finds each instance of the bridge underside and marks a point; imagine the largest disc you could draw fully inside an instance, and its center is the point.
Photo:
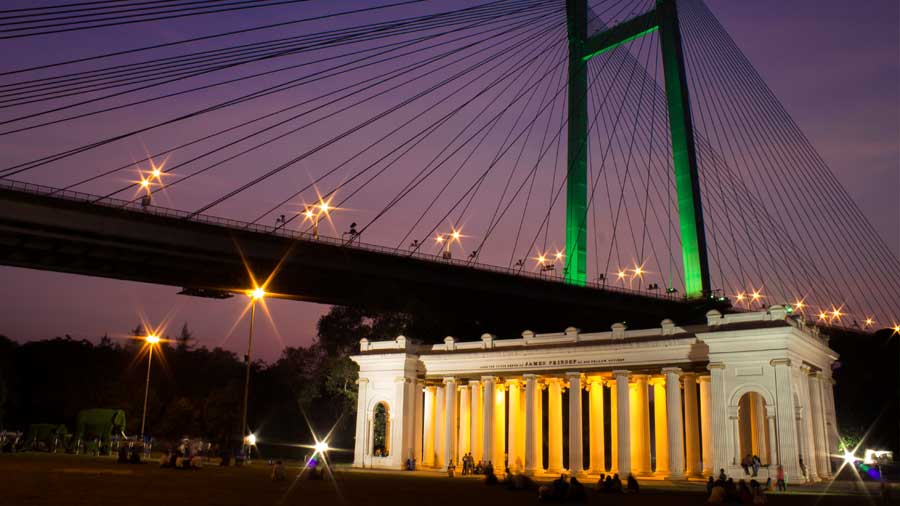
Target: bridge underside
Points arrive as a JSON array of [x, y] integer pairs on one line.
[[55, 234]]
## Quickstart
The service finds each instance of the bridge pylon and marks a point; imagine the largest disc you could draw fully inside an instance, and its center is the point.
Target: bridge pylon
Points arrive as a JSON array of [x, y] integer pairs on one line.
[[583, 47]]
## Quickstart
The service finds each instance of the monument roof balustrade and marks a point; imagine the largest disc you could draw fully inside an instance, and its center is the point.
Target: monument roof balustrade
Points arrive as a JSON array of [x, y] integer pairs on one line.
[[772, 318]]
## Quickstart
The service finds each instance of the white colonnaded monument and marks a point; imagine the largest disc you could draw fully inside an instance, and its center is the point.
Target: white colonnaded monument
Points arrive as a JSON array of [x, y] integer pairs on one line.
[[670, 402]]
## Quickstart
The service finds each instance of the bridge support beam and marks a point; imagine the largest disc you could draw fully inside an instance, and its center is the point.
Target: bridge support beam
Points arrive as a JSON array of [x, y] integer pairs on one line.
[[576, 176]]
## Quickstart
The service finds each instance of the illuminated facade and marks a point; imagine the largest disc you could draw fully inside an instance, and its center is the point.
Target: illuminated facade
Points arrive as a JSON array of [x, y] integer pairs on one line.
[[670, 402]]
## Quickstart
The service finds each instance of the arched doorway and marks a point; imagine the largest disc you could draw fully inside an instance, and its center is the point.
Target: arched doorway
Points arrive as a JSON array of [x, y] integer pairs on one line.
[[381, 430], [754, 427]]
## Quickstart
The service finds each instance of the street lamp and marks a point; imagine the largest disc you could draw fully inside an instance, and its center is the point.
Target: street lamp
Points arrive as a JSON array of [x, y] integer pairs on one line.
[[151, 340], [446, 241], [257, 294], [314, 212]]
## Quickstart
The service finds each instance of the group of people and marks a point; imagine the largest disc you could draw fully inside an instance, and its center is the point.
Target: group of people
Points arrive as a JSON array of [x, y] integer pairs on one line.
[[469, 466], [612, 484], [724, 490], [751, 462]]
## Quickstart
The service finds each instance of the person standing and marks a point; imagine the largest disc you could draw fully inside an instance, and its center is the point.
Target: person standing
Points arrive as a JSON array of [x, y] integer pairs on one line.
[[780, 484]]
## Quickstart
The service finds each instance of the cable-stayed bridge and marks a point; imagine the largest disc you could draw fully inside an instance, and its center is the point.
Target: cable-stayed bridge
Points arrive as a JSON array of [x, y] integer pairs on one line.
[[568, 162]]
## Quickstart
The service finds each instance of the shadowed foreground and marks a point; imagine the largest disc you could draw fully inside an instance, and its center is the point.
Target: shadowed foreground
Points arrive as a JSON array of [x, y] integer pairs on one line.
[[40, 479]]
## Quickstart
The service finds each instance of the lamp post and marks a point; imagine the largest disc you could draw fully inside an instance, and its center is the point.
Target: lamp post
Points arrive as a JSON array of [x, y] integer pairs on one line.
[[255, 295], [445, 241], [152, 340]]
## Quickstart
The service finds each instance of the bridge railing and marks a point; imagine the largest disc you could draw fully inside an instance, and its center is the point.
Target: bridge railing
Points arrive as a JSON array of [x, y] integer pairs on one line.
[[137, 206]]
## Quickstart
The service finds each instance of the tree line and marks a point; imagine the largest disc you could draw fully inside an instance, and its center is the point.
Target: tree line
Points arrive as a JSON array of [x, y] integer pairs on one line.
[[196, 391]]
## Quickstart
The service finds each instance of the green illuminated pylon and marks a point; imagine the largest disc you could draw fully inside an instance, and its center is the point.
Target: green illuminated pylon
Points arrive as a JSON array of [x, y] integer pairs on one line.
[[687, 182], [576, 178]]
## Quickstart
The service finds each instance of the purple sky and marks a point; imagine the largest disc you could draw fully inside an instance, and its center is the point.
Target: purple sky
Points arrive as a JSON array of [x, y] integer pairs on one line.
[[833, 66]]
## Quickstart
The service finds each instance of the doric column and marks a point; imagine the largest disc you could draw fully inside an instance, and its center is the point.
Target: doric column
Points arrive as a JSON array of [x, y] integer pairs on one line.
[[773, 444], [823, 463], [440, 427], [719, 416], [554, 426], [418, 415], [733, 415], [449, 421], [788, 450], [640, 424], [429, 416], [576, 446], [361, 448], [487, 414], [661, 431], [499, 455], [476, 418], [622, 423], [532, 444], [539, 426], [465, 425], [613, 428], [597, 443], [674, 423], [833, 436], [516, 447], [809, 457], [705, 425], [691, 427]]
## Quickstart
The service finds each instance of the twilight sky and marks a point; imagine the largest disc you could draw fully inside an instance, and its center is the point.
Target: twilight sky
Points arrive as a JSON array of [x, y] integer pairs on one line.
[[832, 64]]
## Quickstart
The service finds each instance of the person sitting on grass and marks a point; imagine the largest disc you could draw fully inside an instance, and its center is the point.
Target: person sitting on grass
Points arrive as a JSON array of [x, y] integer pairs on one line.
[[616, 484], [560, 488], [633, 487], [608, 486], [600, 482], [278, 473], [489, 477], [576, 492], [758, 495]]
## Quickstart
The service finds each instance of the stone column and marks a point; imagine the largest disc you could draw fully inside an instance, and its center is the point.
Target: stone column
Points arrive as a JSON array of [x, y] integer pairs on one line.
[[705, 425], [622, 423], [499, 455], [640, 424], [773, 444], [674, 423], [735, 435], [539, 426], [823, 463], [465, 424], [613, 428], [576, 445], [516, 426], [788, 451], [450, 422], [476, 417], [429, 416], [440, 427], [418, 416], [554, 426], [361, 446], [487, 394], [833, 436], [532, 444], [691, 425], [597, 443], [660, 430], [809, 457], [719, 416]]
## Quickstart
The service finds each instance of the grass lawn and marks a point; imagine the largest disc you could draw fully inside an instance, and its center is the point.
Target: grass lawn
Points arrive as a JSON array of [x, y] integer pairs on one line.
[[70, 480]]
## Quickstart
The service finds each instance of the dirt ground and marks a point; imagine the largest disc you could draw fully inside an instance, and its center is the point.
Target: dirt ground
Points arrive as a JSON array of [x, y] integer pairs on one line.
[[43, 479]]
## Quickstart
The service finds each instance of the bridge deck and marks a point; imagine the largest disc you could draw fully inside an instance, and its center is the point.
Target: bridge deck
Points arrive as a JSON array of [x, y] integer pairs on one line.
[[58, 230]]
